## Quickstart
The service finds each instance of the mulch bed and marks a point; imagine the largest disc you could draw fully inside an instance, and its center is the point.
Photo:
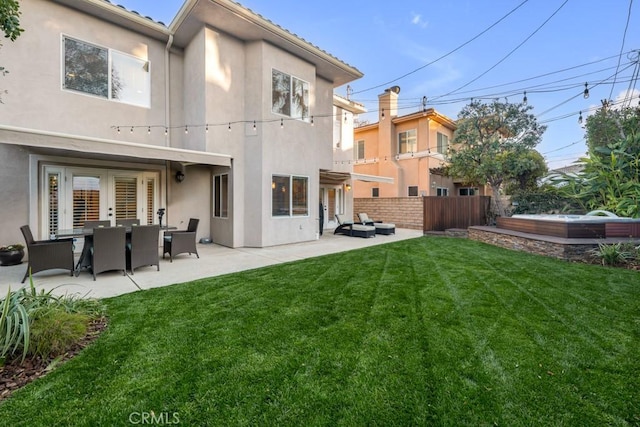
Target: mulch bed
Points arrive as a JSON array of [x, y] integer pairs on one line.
[[15, 374]]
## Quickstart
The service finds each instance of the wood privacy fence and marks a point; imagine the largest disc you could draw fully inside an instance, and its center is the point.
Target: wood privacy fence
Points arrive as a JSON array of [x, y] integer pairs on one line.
[[426, 213]]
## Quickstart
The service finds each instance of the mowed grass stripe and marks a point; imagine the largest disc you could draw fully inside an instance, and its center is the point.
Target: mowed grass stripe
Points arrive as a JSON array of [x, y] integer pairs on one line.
[[432, 331]]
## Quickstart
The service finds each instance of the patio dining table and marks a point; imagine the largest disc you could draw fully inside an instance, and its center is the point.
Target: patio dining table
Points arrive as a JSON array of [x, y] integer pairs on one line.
[[87, 233]]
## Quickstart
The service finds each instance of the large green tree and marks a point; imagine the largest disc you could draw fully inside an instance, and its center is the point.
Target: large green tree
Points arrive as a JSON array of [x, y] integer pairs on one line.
[[9, 23], [494, 144], [610, 179]]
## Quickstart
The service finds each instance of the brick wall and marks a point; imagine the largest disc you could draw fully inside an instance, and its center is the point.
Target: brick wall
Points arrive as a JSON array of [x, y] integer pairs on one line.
[[404, 212], [570, 252]]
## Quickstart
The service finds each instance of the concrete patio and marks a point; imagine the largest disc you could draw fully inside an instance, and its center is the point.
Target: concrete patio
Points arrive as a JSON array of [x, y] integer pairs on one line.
[[214, 260]]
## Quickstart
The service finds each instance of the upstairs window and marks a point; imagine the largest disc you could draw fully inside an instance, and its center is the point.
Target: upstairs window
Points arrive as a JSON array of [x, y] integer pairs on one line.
[[412, 191], [443, 143], [358, 152], [289, 96], [105, 73], [408, 141], [467, 191]]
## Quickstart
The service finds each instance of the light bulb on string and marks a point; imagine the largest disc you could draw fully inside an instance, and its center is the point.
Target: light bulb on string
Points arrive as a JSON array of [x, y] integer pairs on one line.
[[254, 125], [281, 123], [524, 100], [586, 90], [229, 128], [131, 130], [382, 115], [311, 120], [580, 118], [186, 130], [166, 131], [149, 130], [424, 104], [206, 128], [118, 129]]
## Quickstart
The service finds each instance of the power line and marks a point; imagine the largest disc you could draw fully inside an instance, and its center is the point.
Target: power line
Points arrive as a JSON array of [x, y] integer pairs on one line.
[[624, 37], [446, 54], [512, 51]]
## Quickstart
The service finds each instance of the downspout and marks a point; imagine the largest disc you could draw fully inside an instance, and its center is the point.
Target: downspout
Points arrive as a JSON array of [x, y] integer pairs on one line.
[[167, 122]]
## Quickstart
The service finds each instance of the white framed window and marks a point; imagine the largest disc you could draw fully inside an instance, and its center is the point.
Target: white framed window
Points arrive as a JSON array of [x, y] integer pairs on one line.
[[408, 141], [442, 191], [467, 191], [221, 196], [289, 95], [358, 150], [72, 195], [412, 191], [443, 143], [289, 195], [106, 73]]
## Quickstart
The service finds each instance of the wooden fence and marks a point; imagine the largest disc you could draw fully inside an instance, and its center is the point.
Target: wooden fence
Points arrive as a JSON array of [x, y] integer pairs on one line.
[[442, 213], [426, 213]]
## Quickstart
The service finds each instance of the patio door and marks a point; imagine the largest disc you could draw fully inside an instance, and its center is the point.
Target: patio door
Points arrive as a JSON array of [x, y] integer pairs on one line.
[[331, 199], [72, 195]]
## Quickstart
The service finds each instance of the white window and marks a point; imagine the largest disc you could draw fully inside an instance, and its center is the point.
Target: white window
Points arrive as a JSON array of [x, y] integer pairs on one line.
[[358, 151], [443, 143], [442, 191], [105, 73], [289, 96], [73, 195], [221, 196], [412, 191], [289, 195], [467, 191], [408, 141]]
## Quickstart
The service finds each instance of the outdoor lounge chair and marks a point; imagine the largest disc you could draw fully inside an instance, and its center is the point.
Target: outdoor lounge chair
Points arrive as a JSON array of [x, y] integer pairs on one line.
[[381, 227], [47, 254], [142, 250], [108, 250], [353, 229], [181, 241]]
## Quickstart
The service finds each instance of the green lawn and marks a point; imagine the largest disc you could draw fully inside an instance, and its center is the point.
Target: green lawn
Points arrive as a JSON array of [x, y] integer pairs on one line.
[[430, 331]]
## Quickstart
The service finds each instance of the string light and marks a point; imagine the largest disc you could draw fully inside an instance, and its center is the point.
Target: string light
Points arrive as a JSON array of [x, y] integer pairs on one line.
[[118, 129], [186, 129], [229, 126], [166, 131], [382, 115], [206, 128], [131, 129], [424, 104], [254, 125], [580, 118], [311, 120], [524, 100], [281, 123], [586, 90], [149, 130]]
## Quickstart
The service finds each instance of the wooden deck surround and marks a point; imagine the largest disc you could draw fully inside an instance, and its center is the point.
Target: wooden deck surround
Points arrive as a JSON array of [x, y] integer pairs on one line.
[[569, 230]]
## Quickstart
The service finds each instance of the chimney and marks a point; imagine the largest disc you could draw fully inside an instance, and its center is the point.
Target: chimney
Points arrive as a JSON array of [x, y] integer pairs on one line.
[[388, 103]]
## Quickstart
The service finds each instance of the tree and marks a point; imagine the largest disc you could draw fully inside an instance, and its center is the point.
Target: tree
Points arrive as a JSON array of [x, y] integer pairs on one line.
[[609, 125], [9, 23], [494, 144]]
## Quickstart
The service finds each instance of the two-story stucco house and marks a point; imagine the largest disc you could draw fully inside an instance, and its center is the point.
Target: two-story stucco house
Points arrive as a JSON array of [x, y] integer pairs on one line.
[[222, 115], [410, 148]]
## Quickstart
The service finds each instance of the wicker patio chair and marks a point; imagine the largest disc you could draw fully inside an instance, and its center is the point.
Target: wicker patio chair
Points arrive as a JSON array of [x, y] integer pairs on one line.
[[381, 227], [353, 229], [143, 248], [181, 241], [127, 222], [47, 254], [109, 250], [96, 224]]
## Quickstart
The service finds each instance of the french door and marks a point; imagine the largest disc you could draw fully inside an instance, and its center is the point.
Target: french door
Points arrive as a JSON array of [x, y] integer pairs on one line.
[[73, 195]]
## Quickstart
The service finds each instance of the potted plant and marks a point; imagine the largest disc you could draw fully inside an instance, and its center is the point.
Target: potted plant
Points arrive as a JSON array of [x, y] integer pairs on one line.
[[11, 254]]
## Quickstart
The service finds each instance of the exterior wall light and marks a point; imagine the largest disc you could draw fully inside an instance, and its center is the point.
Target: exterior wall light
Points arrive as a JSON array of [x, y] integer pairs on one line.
[[179, 177]]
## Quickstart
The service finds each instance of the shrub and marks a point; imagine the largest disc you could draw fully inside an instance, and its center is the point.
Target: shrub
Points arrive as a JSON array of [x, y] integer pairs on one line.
[[54, 330], [613, 254], [14, 326]]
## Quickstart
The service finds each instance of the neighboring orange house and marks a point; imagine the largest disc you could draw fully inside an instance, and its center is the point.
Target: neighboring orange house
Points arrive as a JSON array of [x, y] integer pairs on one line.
[[409, 149]]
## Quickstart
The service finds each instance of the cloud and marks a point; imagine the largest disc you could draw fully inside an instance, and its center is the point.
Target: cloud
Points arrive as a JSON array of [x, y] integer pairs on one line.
[[417, 20]]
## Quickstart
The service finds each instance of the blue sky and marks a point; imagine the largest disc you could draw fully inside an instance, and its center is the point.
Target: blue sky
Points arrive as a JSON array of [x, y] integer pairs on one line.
[[550, 48]]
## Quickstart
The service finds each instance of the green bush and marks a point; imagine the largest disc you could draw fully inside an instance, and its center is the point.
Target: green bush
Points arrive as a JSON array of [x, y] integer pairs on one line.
[[613, 254], [14, 326], [54, 330]]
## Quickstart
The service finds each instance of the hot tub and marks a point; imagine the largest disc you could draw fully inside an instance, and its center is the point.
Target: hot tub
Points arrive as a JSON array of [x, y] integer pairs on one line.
[[595, 224]]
